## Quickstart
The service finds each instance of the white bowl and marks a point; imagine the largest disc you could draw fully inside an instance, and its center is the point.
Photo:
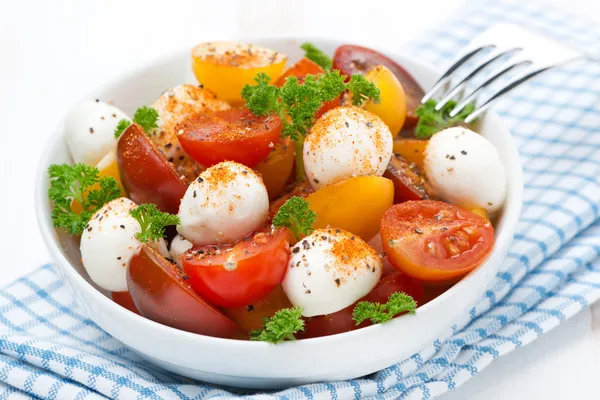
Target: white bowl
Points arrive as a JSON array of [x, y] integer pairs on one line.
[[257, 364]]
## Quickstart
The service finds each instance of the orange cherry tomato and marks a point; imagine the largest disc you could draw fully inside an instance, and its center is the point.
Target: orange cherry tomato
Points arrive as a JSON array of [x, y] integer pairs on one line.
[[392, 106], [350, 59], [435, 241], [251, 316], [409, 181], [145, 173], [160, 293], [411, 149], [276, 169], [300, 70], [341, 321], [239, 274], [230, 135], [124, 300]]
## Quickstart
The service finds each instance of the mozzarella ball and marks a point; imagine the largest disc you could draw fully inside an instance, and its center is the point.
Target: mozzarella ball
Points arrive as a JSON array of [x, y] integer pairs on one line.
[[346, 142], [174, 106], [90, 130], [108, 243], [179, 245], [465, 169], [329, 270], [225, 203]]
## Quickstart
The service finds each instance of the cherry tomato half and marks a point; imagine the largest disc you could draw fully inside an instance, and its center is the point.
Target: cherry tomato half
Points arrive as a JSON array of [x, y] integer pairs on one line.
[[409, 181], [300, 70], [146, 175], [161, 294], [230, 135], [239, 274], [341, 321], [350, 59], [435, 241], [124, 300]]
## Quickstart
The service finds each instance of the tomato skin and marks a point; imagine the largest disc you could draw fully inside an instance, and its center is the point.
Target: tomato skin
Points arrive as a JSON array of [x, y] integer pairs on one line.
[[435, 241], [341, 321], [145, 173], [305, 67], [124, 300], [260, 264], [230, 135], [161, 294], [409, 182], [277, 168], [351, 59]]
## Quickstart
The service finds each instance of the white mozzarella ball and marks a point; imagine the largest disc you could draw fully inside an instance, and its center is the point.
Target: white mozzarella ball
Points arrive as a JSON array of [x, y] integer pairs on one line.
[[346, 142], [225, 203], [175, 106], [90, 130], [329, 270], [108, 243], [465, 169], [179, 245]]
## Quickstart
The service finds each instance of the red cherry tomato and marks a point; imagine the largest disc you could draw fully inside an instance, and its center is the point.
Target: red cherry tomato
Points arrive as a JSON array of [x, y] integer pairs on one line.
[[124, 300], [230, 135], [341, 321], [300, 70], [435, 241], [239, 274], [146, 175], [409, 181], [350, 59], [161, 294]]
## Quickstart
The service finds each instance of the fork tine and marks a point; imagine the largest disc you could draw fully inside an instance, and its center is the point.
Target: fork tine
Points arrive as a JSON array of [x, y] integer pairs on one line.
[[457, 88], [453, 68], [479, 110], [470, 97]]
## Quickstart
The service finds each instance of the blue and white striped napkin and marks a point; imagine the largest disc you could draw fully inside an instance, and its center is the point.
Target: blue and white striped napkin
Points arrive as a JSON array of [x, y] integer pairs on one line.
[[49, 350]]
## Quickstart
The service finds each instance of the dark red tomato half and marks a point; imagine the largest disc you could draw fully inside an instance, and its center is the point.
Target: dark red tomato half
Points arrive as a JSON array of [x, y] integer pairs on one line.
[[300, 70], [160, 293], [409, 182], [146, 174], [239, 274], [350, 59], [230, 135], [124, 300], [341, 321]]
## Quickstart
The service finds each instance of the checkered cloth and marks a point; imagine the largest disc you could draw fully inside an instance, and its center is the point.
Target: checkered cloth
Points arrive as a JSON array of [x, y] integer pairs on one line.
[[48, 349]]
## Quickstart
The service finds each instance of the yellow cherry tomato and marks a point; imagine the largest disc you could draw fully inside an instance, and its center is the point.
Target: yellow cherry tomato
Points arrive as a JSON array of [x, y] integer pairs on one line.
[[277, 168], [481, 212], [226, 67], [356, 205], [392, 107], [411, 149]]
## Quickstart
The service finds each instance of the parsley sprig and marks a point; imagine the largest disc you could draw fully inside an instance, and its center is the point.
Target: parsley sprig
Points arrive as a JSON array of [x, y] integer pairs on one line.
[[82, 183], [378, 313], [296, 215], [152, 221], [432, 121], [281, 326], [316, 55], [146, 117], [297, 103]]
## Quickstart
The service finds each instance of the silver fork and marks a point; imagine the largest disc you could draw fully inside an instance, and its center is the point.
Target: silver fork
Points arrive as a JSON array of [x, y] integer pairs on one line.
[[522, 52]]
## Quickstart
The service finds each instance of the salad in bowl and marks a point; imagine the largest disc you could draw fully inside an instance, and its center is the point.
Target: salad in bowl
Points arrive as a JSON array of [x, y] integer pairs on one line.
[[275, 201]]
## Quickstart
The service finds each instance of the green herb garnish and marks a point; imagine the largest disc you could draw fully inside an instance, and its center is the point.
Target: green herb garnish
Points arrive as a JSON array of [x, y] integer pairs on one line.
[[281, 326], [378, 313], [296, 215], [146, 117], [432, 121], [152, 221], [316, 55]]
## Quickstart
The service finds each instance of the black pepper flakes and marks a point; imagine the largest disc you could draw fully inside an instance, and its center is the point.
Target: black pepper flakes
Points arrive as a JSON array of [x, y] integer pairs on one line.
[[452, 157], [97, 100], [295, 250], [122, 226], [463, 152], [118, 258], [323, 237], [245, 172], [168, 145], [91, 130], [419, 231], [89, 228], [199, 180], [338, 282], [305, 245], [185, 277], [194, 193], [369, 125], [250, 307], [170, 159], [347, 124], [443, 229], [308, 291], [315, 180], [181, 158]]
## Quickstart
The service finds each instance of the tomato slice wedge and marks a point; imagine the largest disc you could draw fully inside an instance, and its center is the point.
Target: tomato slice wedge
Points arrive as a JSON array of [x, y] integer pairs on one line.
[[350, 59], [124, 300], [435, 241], [300, 70], [145, 173], [160, 294], [230, 135], [341, 321], [409, 181], [238, 274]]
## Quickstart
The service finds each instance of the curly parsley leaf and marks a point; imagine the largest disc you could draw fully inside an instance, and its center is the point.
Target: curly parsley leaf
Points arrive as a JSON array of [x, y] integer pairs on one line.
[[432, 121], [280, 326], [362, 90], [146, 117], [152, 221], [378, 313], [317, 55], [121, 126], [297, 216], [81, 183]]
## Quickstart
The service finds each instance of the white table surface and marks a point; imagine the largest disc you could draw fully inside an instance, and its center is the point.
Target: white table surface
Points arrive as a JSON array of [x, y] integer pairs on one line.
[[53, 52]]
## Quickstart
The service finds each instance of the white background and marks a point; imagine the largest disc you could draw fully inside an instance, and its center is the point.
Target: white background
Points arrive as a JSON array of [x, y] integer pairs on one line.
[[53, 52]]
